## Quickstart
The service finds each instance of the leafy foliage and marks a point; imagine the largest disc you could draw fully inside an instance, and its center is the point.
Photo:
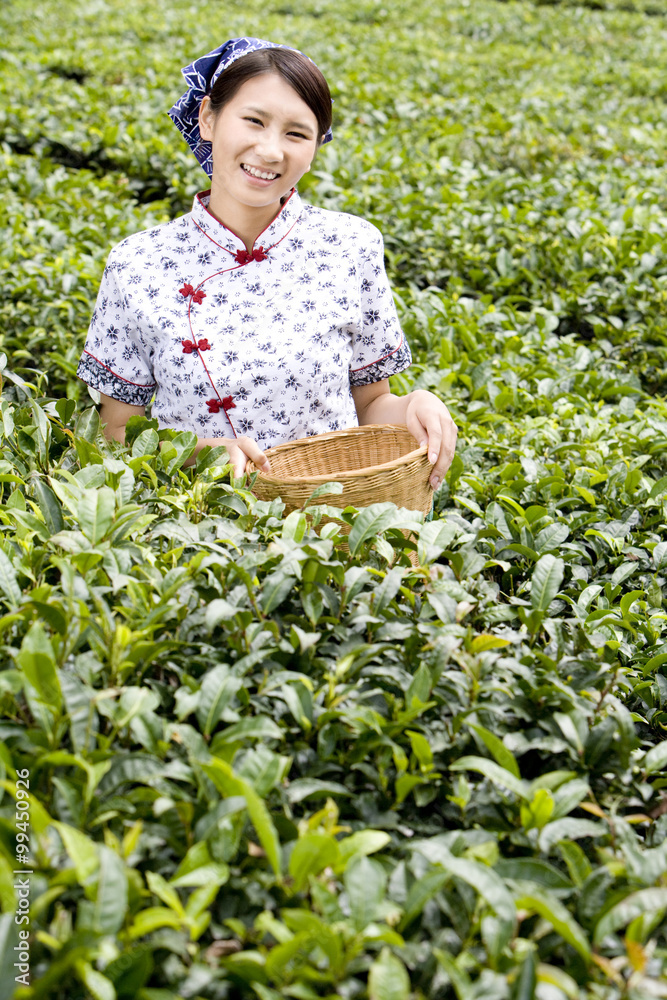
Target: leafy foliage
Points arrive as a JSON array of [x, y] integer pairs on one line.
[[264, 766]]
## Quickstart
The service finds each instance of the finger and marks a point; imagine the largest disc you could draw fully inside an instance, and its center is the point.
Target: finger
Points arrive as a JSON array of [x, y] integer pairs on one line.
[[417, 429], [261, 461], [448, 432], [434, 430], [255, 453], [428, 432], [431, 420], [237, 460]]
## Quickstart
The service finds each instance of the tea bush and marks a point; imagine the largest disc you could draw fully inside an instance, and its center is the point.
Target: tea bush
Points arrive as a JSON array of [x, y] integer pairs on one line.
[[432, 766]]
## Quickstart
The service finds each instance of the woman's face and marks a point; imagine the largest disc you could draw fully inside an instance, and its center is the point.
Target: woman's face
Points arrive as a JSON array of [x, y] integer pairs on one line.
[[263, 142]]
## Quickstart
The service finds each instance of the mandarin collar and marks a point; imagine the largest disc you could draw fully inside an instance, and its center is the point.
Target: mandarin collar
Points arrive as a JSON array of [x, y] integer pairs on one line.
[[223, 237]]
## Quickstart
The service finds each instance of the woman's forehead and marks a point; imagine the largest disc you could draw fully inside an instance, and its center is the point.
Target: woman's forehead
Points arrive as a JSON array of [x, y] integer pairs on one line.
[[272, 94]]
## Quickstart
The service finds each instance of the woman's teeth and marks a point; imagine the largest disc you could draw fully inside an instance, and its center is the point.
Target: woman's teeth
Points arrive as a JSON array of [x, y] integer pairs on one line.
[[263, 174]]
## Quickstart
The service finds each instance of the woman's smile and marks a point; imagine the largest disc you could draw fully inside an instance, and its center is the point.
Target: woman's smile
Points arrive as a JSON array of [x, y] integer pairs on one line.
[[257, 173]]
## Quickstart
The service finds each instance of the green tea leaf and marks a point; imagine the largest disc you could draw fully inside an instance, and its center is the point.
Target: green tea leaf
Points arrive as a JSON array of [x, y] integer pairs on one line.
[[497, 748], [258, 727], [304, 788], [83, 852], [276, 588], [99, 986], [217, 690], [166, 892], [546, 581], [111, 896], [553, 911], [9, 581], [370, 521], [569, 829], [49, 506], [362, 842], [656, 758], [388, 978], [495, 773], [483, 880], [151, 919], [37, 661], [95, 513], [365, 883], [230, 784], [576, 861], [310, 855], [524, 985], [634, 905], [145, 443], [421, 891]]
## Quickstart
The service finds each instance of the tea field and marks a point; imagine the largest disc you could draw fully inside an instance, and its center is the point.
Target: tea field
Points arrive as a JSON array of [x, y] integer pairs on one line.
[[238, 762]]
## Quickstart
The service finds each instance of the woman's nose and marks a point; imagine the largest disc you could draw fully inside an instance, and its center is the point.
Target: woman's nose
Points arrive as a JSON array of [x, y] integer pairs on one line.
[[269, 147]]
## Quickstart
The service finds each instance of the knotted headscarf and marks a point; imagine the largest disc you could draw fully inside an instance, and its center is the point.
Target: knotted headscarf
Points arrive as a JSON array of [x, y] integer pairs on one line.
[[200, 77]]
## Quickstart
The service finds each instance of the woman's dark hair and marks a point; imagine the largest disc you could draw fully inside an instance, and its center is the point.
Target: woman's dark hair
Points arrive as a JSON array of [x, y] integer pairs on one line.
[[302, 75]]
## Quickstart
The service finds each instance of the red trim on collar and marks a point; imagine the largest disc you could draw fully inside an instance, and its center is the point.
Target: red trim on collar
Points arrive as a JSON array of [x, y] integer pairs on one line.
[[202, 194], [199, 196], [282, 209]]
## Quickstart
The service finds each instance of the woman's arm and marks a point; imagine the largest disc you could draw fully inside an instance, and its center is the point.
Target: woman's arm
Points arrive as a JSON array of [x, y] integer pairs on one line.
[[115, 415], [424, 415]]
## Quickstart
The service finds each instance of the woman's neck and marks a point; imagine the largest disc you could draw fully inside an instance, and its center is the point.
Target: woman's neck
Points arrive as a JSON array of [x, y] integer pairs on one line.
[[244, 221]]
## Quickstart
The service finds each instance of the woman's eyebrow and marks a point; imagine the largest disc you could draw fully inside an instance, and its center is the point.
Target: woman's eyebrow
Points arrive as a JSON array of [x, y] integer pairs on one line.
[[267, 114]]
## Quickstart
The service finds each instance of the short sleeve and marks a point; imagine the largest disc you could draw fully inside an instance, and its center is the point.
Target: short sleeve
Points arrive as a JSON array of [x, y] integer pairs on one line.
[[379, 348], [115, 359]]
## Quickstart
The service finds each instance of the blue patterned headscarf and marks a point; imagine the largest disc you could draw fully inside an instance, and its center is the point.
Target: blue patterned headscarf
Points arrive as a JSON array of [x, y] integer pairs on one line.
[[200, 77]]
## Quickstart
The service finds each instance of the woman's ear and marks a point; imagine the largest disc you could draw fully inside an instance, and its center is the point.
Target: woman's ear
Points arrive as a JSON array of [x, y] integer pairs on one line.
[[206, 119]]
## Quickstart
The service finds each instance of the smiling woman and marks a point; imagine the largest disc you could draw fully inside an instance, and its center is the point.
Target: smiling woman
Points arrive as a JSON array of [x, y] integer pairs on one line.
[[255, 302]]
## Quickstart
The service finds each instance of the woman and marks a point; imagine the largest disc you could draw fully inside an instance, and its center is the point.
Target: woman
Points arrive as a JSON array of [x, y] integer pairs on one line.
[[255, 319]]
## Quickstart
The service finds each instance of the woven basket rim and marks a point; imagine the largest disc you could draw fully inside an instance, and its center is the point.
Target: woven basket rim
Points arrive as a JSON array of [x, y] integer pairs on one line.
[[395, 463]]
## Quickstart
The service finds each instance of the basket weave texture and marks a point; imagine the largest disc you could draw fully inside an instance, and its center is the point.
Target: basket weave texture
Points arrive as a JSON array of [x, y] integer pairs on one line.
[[375, 463]]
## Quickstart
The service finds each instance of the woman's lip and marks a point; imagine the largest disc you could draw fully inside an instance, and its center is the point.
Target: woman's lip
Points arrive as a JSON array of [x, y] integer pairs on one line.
[[261, 180]]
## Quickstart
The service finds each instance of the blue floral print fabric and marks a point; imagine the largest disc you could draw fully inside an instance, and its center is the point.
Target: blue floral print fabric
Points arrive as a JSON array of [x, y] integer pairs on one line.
[[200, 77], [265, 343]]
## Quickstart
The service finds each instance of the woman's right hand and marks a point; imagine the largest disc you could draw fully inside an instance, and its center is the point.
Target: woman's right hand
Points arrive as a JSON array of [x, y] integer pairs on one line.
[[240, 449]]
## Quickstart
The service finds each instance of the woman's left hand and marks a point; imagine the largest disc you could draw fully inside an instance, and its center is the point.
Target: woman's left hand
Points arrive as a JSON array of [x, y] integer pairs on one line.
[[428, 420]]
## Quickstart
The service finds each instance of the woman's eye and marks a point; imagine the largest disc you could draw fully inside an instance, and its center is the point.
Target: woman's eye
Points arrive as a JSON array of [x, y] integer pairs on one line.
[[256, 121], [299, 135]]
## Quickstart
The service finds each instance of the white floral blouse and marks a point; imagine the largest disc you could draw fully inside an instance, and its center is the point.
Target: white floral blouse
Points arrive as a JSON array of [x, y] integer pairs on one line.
[[265, 343]]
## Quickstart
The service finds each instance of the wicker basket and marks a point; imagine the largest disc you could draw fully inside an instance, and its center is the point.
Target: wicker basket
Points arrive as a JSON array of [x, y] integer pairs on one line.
[[375, 463]]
